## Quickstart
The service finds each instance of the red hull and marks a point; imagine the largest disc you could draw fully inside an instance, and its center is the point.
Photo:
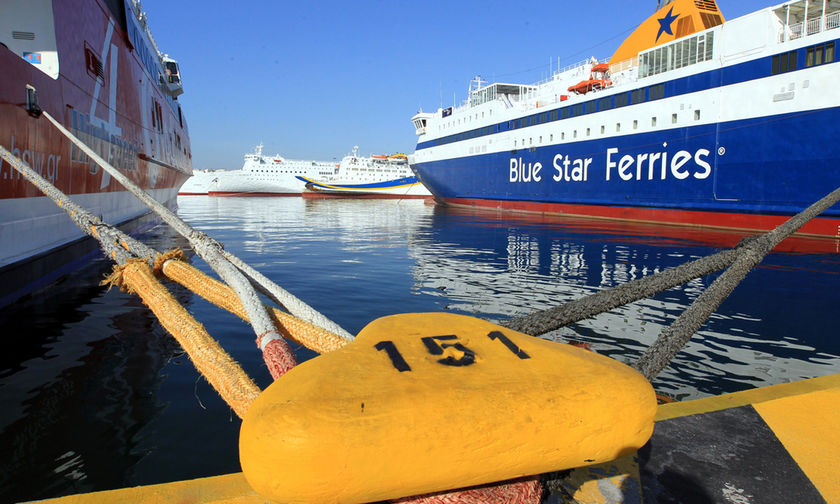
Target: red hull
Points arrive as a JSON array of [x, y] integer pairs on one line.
[[328, 195], [241, 194], [825, 229]]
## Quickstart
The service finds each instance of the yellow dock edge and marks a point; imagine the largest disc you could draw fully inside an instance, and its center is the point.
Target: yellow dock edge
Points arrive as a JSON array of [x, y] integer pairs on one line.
[[752, 396], [785, 407]]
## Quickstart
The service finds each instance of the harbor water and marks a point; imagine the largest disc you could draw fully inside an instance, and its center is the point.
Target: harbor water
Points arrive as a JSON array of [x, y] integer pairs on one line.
[[96, 395]]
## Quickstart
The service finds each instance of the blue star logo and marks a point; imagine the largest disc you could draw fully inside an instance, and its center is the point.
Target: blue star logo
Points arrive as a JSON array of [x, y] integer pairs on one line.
[[665, 24]]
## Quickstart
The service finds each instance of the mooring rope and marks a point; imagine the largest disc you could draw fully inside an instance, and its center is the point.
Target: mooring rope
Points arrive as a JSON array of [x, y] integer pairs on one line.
[[217, 366], [543, 321], [207, 248], [674, 337], [137, 276], [134, 274]]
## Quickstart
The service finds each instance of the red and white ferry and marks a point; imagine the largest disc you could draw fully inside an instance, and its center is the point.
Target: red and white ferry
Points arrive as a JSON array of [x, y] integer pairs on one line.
[[95, 67]]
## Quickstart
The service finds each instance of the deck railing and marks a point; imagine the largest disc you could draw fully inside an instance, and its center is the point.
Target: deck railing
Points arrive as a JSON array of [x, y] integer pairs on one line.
[[812, 27]]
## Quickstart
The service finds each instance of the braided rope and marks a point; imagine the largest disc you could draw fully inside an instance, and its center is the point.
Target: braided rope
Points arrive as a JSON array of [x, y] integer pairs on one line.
[[316, 338], [223, 373], [206, 247], [525, 491]]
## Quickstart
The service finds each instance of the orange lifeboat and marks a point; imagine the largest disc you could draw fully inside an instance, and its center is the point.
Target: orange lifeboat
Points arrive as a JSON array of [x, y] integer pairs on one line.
[[586, 86], [597, 80], [601, 68]]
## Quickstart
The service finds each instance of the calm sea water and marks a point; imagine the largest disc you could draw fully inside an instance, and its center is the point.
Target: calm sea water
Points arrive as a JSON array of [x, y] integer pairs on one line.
[[97, 396]]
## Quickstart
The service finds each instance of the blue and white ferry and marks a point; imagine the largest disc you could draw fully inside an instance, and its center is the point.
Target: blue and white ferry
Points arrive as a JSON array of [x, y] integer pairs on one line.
[[694, 120]]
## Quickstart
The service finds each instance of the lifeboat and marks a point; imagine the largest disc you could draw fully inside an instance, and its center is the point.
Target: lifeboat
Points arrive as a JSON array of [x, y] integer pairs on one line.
[[597, 80], [588, 85], [379, 156], [601, 68]]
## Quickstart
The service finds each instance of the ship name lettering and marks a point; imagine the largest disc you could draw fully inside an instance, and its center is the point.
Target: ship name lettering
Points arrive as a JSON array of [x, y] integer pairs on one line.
[[579, 169], [524, 172], [44, 163], [650, 165]]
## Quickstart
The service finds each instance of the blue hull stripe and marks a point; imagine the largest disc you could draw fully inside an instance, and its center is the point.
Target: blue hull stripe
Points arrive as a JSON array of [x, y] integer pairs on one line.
[[769, 165], [387, 184]]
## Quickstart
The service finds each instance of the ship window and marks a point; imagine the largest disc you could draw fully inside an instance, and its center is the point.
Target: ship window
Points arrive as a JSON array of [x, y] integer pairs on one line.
[[604, 104], [785, 62], [657, 92], [653, 121], [697, 115], [635, 124], [591, 106], [543, 117], [617, 127], [603, 129], [637, 96], [587, 131], [565, 113], [819, 54], [620, 100], [577, 110], [552, 116], [563, 135], [673, 118], [551, 137]]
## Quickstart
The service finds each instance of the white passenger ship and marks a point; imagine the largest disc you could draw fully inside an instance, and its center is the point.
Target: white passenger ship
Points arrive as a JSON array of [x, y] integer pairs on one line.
[[694, 120], [263, 175], [375, 176]]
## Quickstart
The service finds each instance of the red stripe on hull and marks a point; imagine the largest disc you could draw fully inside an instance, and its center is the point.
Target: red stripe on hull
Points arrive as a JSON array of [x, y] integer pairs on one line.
[[242, 194], [326, 195], [825, 227]]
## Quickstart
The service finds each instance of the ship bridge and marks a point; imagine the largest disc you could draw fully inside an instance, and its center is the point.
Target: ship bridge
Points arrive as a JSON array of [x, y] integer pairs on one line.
[[506, 92]]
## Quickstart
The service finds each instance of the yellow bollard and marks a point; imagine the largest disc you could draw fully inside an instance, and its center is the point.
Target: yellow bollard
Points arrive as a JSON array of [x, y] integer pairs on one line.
[[421, 403]]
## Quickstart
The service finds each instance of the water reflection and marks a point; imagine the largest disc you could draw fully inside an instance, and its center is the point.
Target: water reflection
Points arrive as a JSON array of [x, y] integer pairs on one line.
[[771, 330], [96, 395]]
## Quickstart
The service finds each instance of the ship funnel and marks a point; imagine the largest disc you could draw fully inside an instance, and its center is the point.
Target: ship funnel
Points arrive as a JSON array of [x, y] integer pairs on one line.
[[673, 20]]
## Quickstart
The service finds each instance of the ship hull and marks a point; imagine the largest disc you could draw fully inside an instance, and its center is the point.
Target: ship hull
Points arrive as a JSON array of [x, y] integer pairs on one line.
[[246, 183], [104, 95], [406, 187], [748, 174]]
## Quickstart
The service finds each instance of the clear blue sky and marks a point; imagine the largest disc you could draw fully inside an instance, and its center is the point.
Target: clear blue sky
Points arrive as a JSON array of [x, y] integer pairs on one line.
[[312, 79]]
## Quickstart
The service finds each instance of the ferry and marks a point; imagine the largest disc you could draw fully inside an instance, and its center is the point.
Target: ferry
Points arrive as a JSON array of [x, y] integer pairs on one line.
[[263, 175], [375, 176], [694, 120], [94, 66]]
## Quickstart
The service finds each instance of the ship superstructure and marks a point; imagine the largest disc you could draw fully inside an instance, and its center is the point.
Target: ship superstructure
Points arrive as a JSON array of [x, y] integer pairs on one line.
[[377, 175], [263, 175]]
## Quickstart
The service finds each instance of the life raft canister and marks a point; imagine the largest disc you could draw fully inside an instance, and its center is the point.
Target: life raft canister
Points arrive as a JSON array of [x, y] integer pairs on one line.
[[420, 403]]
